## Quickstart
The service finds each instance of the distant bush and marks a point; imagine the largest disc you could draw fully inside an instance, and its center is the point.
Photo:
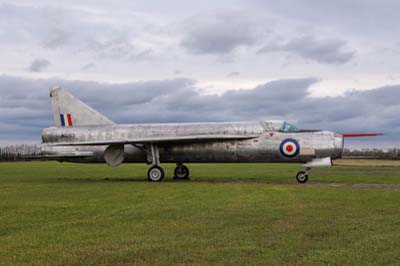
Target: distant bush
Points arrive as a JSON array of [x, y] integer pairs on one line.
[[390, 154]]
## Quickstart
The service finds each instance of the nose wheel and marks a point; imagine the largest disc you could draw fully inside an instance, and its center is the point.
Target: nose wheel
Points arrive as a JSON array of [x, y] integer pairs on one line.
[[181, 172], [302, 176]]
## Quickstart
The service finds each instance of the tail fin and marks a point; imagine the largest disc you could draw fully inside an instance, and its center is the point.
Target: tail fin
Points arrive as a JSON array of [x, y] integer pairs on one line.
[[70, 111]]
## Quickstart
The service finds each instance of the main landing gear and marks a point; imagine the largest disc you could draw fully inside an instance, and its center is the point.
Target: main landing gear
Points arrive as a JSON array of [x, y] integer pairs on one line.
[[156, 172], [302, 176], [181, 172]]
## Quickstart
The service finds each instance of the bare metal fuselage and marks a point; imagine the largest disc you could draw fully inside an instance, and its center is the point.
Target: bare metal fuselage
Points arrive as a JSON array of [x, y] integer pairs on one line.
[[264, 146]]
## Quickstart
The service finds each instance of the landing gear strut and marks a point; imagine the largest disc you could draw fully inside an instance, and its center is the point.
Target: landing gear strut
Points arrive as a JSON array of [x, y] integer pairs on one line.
[[155, 173], [181, 172], [302, 176]]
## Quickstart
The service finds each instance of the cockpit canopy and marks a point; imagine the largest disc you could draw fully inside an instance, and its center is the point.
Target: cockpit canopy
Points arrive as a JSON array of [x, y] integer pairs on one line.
[[281, 126], [286, 127]]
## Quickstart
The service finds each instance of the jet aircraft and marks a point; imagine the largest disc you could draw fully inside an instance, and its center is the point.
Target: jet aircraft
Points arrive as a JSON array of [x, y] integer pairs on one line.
[[83, 135]]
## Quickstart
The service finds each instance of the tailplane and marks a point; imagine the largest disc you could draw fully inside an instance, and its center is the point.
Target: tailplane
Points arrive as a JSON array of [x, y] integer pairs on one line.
[[69, 111]]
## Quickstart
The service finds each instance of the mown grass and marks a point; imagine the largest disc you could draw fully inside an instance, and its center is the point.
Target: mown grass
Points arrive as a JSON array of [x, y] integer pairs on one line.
[[72, 214]]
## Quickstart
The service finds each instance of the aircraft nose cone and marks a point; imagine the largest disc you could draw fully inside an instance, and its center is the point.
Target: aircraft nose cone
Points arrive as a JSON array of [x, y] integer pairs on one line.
[[339, 145]]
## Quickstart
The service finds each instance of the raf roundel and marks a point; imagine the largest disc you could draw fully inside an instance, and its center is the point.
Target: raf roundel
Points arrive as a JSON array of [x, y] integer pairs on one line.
[[289, 148]]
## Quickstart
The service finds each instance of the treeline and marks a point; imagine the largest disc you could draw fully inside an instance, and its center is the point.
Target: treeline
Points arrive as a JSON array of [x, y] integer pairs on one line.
[[19, 152], [390, 154]]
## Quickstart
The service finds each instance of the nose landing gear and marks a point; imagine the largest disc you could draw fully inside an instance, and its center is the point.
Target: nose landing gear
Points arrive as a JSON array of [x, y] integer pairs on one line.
[[302, 176]]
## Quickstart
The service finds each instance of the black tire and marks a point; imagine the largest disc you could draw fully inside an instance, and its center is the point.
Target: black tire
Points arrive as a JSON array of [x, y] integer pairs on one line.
[[181, 172], [155, 174], [302, 177]]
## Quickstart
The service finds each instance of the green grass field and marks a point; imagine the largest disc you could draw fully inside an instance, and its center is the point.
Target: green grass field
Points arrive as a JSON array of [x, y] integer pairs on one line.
[[229, 214]]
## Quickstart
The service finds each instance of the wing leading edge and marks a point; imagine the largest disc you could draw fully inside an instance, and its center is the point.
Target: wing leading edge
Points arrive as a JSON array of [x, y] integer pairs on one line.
[[175, 139]]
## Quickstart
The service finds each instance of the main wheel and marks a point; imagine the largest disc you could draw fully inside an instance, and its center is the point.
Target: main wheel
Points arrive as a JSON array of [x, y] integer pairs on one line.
[[302, 177], [155, 174], [181, 172]]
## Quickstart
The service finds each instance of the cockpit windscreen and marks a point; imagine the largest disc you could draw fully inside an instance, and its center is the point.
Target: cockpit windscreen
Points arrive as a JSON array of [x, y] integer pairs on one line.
[[286, 127]]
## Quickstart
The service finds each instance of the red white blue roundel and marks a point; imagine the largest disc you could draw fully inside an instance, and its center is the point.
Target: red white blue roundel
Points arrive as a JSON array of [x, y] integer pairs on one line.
[[289, 148]]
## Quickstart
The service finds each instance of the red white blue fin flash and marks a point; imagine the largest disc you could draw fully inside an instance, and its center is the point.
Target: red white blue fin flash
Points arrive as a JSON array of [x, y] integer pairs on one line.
[[66, 120]]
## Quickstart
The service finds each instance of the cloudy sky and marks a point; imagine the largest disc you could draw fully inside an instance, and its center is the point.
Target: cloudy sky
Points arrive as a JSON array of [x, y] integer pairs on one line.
[[320, 64]]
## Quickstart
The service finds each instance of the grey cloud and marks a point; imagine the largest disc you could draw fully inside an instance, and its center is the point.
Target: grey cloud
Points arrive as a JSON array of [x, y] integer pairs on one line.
[[88, 66], [143, 55], [24, 104], [119, 48], [39, 64], [72, 30], [56, 38], [366, 17], [177, 72], [223, 31], [218, 32], [233, 74], [329, 51]]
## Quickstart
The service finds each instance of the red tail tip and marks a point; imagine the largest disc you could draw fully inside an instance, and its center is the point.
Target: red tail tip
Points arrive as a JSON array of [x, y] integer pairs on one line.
[[355, 135]]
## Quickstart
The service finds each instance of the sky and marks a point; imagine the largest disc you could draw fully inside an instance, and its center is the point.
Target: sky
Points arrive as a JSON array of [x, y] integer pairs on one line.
[[330, 65]]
